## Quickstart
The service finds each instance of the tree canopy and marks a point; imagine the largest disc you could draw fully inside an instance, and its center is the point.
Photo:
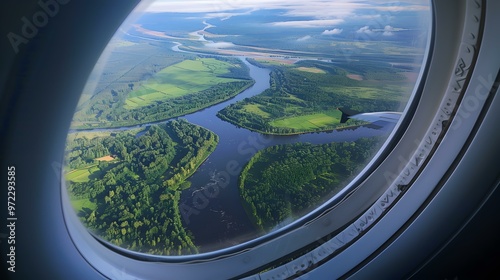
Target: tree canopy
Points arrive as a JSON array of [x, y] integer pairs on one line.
[[136, 195], [282, 181]]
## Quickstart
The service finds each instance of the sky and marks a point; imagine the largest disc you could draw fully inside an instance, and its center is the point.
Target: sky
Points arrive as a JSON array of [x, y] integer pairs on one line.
[[315, 8], [332, 17], [323, 13]]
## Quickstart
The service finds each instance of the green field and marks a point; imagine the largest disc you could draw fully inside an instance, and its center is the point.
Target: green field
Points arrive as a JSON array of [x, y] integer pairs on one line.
[[309, 122], [186, 77], [80, 203], [304, 97], [256, 109], [88, 134], [311, 70], [81, 175], [379, 91]]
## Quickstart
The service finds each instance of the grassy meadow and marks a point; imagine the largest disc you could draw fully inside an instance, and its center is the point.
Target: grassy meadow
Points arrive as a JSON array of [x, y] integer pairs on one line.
[[186, 77], [310, 122], [81, 175], [80, 203]]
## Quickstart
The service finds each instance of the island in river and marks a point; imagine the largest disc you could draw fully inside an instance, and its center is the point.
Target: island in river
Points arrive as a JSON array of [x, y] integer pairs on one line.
[[304, 96]]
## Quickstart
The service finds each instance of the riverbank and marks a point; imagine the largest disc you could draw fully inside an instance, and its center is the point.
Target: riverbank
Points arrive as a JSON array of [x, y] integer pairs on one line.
[[147, 121], [353, 124]]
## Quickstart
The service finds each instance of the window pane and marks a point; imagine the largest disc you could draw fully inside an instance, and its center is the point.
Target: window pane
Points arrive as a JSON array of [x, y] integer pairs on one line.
[[206, 125]]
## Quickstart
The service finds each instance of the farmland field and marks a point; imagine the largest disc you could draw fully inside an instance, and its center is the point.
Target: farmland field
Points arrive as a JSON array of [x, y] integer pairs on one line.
[[256, 109], [186, 77], [82, 174], [311, 70], [382, 92], [91, 134], [80, 203], [309, 122]]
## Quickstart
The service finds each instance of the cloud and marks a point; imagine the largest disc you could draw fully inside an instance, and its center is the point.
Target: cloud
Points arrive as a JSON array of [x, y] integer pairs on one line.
[[308, 23], [388, 30], [321, 13], [367, 17], [334, 31], [305, 38], [312, 8], [403, 8], [365, 30], [220, 45], [227, 15]]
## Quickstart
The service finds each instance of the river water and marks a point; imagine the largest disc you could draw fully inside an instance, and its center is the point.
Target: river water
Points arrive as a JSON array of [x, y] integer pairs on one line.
[[211, 208]]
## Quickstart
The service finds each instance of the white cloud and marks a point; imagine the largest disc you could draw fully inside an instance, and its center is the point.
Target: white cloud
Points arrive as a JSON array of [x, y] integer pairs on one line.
[[367, 17], [365, 29], [323, 13], [402, 8], [308, 23], [388, 30], [220, 45], [334, 31], [313, 8], [227, 15], [305, 38]]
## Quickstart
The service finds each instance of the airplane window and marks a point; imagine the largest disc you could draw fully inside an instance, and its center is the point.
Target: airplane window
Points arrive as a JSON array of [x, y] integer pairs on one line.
[[210, 125]]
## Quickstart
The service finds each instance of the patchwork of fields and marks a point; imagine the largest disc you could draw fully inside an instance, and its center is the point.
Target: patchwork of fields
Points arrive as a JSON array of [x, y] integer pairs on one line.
[[186, 77]]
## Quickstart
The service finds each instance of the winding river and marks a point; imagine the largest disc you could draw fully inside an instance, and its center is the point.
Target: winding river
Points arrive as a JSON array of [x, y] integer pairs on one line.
[[211, 207]]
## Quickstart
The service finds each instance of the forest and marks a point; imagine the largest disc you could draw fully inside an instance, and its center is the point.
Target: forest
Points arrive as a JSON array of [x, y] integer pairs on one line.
[[132, 200], [296, 91], [284, 181]]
